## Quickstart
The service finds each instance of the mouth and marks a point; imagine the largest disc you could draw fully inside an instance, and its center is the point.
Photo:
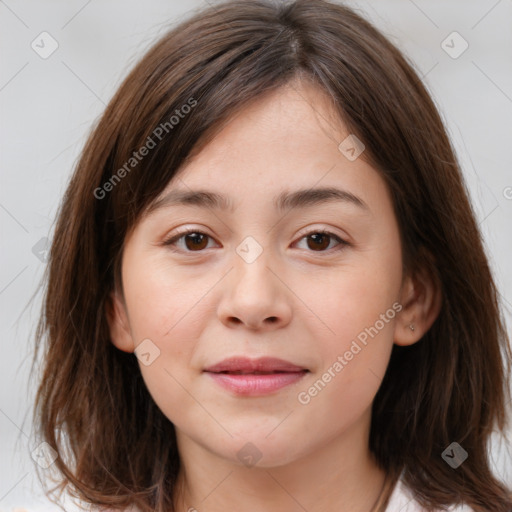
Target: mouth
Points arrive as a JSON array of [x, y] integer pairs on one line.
[[262, 365], [246, 377], [256, 373]]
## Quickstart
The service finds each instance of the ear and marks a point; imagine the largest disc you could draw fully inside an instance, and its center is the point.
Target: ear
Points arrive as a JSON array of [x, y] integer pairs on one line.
[[118, 322], [421, 299]]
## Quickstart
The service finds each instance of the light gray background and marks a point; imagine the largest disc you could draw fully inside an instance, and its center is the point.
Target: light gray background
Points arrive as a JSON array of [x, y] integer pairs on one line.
[[48, 107]]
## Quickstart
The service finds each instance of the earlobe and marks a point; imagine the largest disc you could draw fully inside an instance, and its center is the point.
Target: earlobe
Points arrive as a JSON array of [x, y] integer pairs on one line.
[[421, 300], [119, 325]]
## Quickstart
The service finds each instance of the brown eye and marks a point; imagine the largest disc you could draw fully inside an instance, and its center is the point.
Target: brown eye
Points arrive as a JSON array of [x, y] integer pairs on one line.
[[194, 241], [321, 241]]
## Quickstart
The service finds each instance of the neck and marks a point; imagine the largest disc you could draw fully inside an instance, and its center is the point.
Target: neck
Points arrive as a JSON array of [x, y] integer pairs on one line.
[[340, 476]]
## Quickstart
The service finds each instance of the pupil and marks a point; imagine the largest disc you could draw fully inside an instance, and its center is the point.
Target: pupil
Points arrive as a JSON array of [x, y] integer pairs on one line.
[[195, 237], [323, 238]]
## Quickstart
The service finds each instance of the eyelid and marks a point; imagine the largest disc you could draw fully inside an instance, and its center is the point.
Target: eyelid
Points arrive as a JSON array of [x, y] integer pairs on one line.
[[342, 242], [181, 232], [320, 229]]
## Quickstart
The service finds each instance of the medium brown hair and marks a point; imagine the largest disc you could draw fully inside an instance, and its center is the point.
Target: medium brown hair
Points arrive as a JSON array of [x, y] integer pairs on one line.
[[115, 446]]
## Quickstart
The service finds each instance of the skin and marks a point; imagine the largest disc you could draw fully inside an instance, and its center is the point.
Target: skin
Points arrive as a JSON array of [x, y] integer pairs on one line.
[[295, 301]]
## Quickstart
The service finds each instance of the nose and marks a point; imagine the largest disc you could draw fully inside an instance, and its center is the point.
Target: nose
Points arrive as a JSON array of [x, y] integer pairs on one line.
[[255, 297]]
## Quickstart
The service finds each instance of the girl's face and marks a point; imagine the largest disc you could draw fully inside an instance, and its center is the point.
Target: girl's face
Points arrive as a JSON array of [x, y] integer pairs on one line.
[[258, 279]]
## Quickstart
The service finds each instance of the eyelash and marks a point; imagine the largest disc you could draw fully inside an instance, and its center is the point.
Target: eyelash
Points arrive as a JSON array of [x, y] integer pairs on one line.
[[177, 236]]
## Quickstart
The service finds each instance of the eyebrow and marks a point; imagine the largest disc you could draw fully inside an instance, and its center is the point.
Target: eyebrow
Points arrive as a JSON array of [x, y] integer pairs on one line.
[[283, 202]]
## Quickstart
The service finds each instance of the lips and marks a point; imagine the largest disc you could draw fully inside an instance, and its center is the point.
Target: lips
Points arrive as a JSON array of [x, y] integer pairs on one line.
[[260, 366], [255, 377]]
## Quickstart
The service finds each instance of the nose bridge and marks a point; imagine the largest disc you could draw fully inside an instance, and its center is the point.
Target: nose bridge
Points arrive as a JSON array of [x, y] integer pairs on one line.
[[250, 251], [252, 268], [254, 295]]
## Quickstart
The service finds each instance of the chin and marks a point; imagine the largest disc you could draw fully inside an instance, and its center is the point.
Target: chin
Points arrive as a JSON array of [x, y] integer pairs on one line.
[[255, 449]]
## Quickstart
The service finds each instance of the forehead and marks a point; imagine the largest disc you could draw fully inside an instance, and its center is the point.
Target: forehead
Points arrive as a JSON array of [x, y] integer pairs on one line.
[[282, 148], [298, 117], [291, 136]]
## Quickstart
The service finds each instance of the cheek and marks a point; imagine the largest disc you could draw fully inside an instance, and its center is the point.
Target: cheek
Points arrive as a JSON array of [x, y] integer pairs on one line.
[[355, 319], [161, 300], [164, 308], [354, 298], [354, 356]]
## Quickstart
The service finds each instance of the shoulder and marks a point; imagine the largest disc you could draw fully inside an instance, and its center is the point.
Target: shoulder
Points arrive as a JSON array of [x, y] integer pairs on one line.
[[402, 499]]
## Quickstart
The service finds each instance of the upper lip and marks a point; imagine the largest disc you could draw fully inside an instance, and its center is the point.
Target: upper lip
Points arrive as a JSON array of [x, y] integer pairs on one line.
[[247, 365]]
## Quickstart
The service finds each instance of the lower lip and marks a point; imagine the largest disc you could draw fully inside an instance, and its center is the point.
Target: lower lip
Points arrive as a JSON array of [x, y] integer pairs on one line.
[[254, 385]]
